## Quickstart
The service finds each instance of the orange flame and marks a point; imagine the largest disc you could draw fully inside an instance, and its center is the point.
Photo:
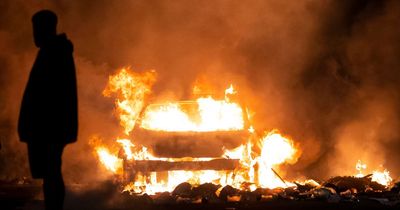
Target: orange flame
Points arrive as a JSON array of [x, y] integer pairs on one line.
[[208, 114], [382, 177], [110, 162], [245, 173], [275, 150], [131, 89], [211, 115]]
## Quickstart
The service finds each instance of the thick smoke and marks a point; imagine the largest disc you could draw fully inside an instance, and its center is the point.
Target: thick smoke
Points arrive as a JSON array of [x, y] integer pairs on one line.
[[324, 72]]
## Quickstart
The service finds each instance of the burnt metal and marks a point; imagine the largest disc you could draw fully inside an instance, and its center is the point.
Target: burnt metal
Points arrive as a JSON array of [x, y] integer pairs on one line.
[[135, 166], [189, 144]]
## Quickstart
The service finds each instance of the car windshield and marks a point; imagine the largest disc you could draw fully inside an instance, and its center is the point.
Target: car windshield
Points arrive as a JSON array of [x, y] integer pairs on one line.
[[201, 115]]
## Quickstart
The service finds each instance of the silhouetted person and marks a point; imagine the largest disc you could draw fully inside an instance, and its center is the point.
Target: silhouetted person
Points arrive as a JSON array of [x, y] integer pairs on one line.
[[48, 117]]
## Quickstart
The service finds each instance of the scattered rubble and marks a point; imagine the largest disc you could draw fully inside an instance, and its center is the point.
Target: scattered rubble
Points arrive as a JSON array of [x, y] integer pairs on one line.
[[335, 190], [346, 192]]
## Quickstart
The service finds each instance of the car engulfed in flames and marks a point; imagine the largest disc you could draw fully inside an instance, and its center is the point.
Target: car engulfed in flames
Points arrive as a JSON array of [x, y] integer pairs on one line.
[[204, 140], [197, 128]]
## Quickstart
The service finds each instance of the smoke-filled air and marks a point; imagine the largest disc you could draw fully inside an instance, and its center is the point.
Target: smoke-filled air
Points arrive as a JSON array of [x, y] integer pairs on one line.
[[320, 80]]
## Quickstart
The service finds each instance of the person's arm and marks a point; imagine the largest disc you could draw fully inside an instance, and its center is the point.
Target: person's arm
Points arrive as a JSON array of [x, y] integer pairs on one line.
[[72, 100], [24, 119], [68, 96]]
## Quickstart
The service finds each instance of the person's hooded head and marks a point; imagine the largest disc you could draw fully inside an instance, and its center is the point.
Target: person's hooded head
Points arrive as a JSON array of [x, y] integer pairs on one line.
[[44, 27]]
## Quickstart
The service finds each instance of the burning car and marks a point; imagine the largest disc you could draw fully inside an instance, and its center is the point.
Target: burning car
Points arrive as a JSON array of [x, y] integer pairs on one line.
[[189, 135], [197, 128], [205, 140]]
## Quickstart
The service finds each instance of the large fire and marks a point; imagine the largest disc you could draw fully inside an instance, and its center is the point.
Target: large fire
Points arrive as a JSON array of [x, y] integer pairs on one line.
[[212, 115], [260, 157]]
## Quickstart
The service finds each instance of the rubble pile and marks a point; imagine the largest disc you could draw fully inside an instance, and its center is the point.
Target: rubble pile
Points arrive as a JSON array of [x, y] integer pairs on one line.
[[335, 190]]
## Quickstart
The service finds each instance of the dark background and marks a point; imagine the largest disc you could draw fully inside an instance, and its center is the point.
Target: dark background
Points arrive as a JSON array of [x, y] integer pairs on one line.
[[324, 72]]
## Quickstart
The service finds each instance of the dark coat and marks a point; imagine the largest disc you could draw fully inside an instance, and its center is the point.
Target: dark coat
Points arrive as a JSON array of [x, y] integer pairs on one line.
[[49, 109]]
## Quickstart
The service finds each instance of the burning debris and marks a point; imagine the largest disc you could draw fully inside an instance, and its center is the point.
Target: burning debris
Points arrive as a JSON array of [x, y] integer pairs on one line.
[[246, 168], [330, 191], [381, 177]]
